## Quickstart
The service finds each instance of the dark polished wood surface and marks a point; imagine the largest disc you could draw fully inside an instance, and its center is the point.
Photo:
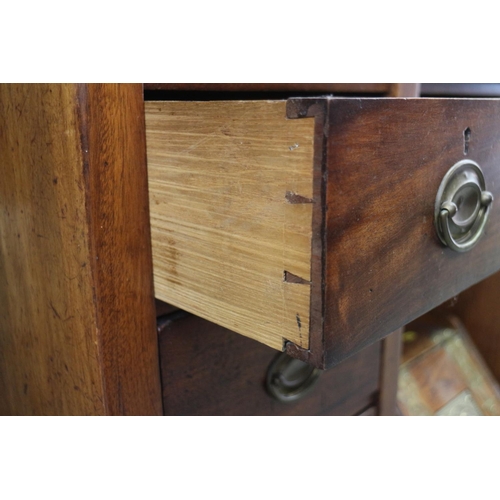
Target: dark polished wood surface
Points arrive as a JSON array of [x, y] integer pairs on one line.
[[382, 262], [391, 156], [208, 370]]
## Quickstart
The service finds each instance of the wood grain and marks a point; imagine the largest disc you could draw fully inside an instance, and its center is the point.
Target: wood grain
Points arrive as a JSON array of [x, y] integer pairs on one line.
[[76, 303], [384, 263], [230, 191], [49, 339], [439, 380], [118, 211], [392, 344], [208, 370], [375, 261], [442, 372]]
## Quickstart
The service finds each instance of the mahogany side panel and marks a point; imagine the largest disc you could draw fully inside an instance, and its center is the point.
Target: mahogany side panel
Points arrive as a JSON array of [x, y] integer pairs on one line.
[[49, 354], [118, 211], [76, 297]]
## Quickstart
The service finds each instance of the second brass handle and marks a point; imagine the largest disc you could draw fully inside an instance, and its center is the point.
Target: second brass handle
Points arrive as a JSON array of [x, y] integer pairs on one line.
[[289, 379]]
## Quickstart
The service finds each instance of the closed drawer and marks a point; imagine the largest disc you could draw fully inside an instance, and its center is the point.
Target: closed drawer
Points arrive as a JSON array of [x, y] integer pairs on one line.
[[208, 370], [309, 224]]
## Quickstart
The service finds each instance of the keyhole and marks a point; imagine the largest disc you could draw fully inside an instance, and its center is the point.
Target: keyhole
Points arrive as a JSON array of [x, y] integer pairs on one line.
[[467, 134]]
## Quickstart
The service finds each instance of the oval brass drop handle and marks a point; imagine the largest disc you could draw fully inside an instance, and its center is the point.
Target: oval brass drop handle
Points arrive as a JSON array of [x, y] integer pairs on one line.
[[462, 206], [449, 209]]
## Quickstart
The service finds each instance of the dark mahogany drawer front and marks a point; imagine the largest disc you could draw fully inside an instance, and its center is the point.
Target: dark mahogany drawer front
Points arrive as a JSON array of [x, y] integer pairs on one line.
[[208, 370], [382, 263]]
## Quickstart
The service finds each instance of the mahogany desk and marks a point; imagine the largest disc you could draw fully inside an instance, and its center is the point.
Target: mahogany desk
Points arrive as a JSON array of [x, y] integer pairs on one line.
[[78, 332]]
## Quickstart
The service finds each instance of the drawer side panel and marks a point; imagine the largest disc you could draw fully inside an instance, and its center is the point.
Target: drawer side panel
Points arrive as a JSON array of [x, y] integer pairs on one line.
[[230, 188]]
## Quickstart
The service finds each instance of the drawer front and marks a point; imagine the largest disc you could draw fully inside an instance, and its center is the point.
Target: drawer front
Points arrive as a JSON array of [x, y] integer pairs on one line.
[[383, 263], [317, 238], [208, 370]]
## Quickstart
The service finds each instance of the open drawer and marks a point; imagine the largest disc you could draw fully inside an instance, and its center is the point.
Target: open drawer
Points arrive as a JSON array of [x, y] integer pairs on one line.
[[311, 225]]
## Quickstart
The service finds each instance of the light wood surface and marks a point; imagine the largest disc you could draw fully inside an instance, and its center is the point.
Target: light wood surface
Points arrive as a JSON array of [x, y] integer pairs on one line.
[[230, 194], [77, 333]]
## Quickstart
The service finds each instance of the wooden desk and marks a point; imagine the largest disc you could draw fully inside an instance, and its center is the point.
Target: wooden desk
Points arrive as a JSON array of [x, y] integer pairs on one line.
[[77, 317]]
